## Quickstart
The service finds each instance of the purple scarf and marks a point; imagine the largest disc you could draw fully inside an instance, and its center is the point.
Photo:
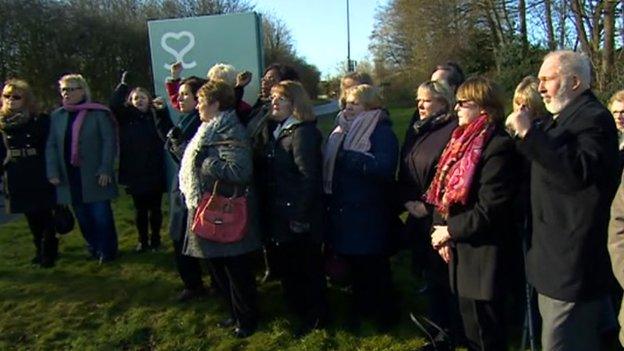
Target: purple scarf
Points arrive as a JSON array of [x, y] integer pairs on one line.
[[77, 125]]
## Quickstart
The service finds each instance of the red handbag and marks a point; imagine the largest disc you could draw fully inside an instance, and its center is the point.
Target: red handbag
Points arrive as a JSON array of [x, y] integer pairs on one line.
[[221, 219]]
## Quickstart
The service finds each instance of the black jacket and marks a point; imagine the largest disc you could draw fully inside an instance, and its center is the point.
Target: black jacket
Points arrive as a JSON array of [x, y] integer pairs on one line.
[[574, 176], [481, 228], [141, 159], [26, 185], [424, 142], [291, 179]]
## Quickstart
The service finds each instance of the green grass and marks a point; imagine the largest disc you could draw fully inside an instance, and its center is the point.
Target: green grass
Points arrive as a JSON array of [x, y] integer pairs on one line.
[[129, 304]]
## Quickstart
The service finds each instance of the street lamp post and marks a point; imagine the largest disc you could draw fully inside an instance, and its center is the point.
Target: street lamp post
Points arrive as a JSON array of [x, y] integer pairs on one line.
[[350, 67]]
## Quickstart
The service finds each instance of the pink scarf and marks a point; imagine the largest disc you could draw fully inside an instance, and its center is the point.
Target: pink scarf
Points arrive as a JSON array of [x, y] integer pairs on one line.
[[77, 125], [353, 134], [456, 168]]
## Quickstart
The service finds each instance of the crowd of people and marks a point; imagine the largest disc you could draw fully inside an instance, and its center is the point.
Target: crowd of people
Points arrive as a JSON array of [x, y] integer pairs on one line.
[[490, 200]]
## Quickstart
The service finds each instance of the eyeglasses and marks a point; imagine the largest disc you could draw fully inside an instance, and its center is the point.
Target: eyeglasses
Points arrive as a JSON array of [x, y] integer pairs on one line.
[[465, 104], [280, 98], [69, 89], [12, 97]]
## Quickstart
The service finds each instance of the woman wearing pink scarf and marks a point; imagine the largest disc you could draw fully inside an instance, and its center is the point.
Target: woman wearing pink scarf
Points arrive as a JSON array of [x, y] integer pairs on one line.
[[80, 155], [472, 191], [359, 164]]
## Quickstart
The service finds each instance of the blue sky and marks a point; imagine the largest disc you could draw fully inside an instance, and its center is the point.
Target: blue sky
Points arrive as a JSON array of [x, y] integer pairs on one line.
[[319, 28]]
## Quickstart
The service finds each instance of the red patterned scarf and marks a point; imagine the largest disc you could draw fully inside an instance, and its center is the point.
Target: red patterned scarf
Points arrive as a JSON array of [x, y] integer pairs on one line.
[[457, 165]]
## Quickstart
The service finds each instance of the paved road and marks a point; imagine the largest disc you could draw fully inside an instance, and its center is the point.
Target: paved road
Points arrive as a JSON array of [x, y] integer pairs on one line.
[[329, 107]]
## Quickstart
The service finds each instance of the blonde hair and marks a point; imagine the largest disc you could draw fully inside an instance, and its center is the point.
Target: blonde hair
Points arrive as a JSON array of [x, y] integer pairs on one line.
[[80, 81], [19, 85], [366, 95], [618, 96], [224, 72], [486, 94], [295, 92], [359, 77], [527, 93], [441, 91]]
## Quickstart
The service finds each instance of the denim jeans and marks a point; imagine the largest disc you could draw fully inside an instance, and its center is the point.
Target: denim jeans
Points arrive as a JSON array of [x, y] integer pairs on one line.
[[97, 225]]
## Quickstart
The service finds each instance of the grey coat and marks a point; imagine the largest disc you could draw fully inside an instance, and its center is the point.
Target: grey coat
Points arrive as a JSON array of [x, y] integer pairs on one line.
[[230, 165], [97, 151]]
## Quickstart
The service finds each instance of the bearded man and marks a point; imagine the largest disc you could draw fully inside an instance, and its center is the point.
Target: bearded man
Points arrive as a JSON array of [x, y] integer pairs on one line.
[[574, 176]]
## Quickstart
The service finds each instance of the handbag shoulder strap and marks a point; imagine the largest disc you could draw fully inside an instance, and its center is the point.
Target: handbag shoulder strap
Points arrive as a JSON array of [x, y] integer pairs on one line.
[[244, 189]]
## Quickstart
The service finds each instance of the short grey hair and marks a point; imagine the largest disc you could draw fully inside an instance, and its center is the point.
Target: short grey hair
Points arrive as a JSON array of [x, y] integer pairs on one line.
[[573, 63]]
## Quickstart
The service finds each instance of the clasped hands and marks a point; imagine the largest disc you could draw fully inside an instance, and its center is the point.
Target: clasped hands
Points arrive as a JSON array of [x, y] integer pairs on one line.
[[441, 241], [518, 122]]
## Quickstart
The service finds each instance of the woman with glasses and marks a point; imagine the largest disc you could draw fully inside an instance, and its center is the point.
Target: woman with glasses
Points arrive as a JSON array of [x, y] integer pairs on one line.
[[472, 191], [24, 132], [292, 159], [424, 142], [80, 154]]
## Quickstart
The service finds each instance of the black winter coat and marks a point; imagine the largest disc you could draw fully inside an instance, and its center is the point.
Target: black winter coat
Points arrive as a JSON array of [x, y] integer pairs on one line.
[[141, 159], [481, 228], [574, 177], [290, 168], [26, 186]]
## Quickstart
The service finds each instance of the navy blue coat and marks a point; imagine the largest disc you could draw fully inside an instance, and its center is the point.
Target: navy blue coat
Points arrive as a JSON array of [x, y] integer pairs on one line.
[[361, 220]]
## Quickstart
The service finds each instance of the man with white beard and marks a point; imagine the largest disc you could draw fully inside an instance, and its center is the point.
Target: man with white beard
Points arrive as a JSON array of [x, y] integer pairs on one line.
[[574, 176]]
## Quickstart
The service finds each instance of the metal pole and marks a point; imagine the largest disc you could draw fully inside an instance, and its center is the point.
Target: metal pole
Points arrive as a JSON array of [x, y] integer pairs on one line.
[[349, 64]]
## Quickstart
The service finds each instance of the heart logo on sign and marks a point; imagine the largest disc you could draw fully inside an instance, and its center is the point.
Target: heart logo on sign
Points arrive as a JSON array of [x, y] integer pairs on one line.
[[179, 55]]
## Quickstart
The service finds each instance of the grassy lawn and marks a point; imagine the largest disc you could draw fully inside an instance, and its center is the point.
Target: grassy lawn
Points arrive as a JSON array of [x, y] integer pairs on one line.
[[128, 304]]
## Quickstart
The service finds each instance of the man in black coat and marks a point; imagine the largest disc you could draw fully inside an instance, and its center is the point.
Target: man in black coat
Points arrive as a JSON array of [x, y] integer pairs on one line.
[[574, 176]]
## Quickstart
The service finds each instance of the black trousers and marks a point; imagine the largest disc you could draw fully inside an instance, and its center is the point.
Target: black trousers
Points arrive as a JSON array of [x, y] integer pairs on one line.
[[300, 269], [189, 268], [148, 213], [236, 282], [41, 224], [373, 289], [483, 324], [443, 306]]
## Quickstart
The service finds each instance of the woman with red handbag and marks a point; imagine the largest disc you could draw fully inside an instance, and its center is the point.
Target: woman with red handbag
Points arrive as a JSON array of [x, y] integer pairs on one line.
[[215, 171]]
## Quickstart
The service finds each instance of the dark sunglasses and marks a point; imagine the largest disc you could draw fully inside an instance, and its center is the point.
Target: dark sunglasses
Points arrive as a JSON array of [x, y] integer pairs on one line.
[[69, 89], [465, 103], [12, 97]]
